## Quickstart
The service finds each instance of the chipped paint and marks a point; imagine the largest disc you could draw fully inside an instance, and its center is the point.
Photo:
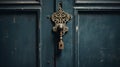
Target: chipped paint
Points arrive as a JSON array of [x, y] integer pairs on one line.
[[77, 28]]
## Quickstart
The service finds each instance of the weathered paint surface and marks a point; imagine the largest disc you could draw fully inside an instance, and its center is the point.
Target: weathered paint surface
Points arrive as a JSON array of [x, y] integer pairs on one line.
[[92, 39], [99, 39], [18, 39]]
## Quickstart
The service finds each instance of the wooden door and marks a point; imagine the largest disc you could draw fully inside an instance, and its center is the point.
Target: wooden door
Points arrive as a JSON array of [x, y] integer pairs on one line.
[[20, 33], [27, 39], [93, 38]]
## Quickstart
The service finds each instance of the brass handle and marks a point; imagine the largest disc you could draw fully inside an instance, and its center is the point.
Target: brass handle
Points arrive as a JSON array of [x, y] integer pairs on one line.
[[60, 19]]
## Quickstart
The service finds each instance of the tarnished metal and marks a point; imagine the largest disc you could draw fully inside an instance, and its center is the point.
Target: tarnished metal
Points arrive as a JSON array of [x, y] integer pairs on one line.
[[60, 19]]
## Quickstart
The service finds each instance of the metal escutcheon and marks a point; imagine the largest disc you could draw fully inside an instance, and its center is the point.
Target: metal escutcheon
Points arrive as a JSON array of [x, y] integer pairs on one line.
[[60, 19]]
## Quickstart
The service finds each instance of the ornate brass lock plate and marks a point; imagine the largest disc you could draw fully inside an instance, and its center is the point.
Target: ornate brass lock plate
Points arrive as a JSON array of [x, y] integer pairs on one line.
[[60, 19]]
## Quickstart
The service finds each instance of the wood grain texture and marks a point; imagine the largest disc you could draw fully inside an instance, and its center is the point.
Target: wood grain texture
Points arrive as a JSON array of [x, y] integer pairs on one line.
[[98, 39], [18, 40], [65, 57], [46, 35]]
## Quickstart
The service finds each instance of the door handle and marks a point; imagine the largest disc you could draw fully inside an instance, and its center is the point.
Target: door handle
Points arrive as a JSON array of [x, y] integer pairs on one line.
[[60, 19]]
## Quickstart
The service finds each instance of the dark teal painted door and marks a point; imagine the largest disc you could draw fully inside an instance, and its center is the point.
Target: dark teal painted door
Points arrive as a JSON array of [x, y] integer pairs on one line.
[[97, 32], [27, 39], [17, 40], [19, 33]]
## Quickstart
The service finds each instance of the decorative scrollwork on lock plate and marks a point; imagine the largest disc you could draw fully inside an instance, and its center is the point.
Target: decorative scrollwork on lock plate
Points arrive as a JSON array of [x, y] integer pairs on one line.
[[60, 18]]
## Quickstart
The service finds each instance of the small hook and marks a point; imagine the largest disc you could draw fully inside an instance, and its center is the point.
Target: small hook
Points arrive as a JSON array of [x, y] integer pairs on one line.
[[60, 5]]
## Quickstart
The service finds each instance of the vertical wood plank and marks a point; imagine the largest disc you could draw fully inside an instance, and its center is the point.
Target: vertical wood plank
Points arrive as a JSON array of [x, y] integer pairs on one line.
[[18, 39], [65, 57], [46, 35], [98, 38]]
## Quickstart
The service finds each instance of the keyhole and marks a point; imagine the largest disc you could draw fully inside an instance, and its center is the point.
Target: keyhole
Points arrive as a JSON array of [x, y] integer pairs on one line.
[[61, 45]]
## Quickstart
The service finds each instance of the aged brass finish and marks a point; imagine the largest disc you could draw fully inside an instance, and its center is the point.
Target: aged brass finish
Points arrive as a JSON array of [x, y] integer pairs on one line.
[[60, 19]]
